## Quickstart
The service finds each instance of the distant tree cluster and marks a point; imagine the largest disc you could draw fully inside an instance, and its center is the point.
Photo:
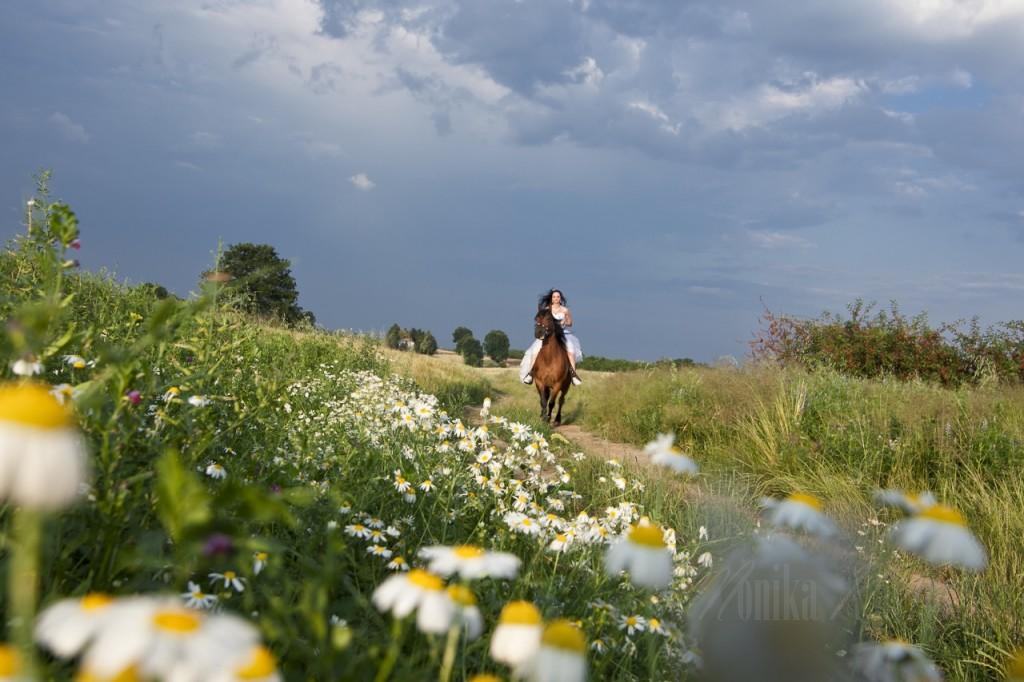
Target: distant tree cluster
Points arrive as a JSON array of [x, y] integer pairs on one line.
[[262, 281], [418, 340], [495, 346], [598, 363]]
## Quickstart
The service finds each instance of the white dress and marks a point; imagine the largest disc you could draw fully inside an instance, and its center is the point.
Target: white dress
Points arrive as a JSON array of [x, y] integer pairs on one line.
[[530, 356]]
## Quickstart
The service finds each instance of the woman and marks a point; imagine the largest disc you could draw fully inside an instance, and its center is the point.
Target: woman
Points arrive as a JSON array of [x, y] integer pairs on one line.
[[556, 301]]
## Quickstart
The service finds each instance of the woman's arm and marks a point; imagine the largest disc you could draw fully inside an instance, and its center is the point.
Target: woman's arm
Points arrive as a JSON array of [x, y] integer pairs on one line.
[[567, 322]]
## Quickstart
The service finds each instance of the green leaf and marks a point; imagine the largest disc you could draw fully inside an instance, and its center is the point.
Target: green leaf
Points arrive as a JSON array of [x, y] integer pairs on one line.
[[182, 502]]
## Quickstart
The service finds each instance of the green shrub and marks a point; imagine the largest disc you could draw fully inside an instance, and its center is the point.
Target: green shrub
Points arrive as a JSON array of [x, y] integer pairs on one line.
[[472, 352], [496, 345]]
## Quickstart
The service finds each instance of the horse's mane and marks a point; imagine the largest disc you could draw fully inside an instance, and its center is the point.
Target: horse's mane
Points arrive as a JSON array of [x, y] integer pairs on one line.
[[559, 332]]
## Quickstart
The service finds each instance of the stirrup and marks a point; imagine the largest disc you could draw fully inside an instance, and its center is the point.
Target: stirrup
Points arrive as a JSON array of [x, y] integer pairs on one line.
[[528, 379]]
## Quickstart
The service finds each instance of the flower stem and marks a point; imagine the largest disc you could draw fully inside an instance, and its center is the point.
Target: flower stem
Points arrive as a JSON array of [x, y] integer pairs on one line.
[[449, 652], [23, 584], [384, 671]]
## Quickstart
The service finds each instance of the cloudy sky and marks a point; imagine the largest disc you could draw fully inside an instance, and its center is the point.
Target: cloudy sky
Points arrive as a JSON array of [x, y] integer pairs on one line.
[[673, 166]]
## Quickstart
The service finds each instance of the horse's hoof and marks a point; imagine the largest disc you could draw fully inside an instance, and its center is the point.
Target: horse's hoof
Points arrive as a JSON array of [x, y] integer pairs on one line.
[[557, 423]]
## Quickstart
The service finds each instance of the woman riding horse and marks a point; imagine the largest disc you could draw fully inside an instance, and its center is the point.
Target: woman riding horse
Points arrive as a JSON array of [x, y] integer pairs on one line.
[[554, 301]]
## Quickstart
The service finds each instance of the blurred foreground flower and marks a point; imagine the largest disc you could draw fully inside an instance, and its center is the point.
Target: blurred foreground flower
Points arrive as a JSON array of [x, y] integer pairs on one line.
[[664, 453], [1015, 667], [562, 656], [10, 664], [470, 562], [467, 613], [799, 511], [939, 534], [43, 462], [419, 591], [909, 503], [893, 661], [772, 612], [643, 553], [26, 367], [517, 636], [152, 637]]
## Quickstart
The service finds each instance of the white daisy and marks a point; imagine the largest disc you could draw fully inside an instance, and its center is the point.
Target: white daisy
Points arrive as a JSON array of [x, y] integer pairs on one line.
[[419, 591], [643, 553], [893, 661], [632, 624], [216, 471], [43, 460], [470, 562], [800, 511], [517, 635], [195, 598], [562, 656], [230, 579], [940, 535]]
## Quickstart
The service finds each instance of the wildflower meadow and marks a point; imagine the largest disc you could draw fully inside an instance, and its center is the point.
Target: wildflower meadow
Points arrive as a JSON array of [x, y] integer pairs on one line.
[[191, 495]]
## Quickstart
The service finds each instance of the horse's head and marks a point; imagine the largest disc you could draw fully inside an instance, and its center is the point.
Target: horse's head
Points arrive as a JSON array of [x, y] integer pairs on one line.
[[545, 325]]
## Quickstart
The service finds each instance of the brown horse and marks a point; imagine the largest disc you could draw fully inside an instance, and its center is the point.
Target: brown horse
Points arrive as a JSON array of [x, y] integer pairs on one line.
[[551, 368]]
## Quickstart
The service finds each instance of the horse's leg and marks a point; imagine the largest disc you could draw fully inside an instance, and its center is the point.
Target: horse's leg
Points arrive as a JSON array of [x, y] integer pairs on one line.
[[551, 404], [545, 396], [561, 401], [543, 399]]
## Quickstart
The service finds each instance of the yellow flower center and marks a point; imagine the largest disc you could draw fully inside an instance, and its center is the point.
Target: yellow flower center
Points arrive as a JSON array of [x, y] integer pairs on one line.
[[230, 575], [178, 622], [809, 500], [943, 514], [31, 404], [10, 662], [520, 613], [462, 595], [648, 536], [485, 678], [261, 664], [173, 390], [654, 623], [78, 364], [562, 634], [424, 580], [129, 674], [468, 552], [261, 556], [1015, 668], [399, 561], [94, 601]]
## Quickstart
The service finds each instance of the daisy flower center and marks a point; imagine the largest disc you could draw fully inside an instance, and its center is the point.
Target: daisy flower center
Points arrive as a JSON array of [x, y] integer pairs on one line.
[[129, 674], [230, 575], [32, 405], [648, 536], [944, 514], [462, 595], [562, 634], [261, 664], [96, 601], [809, 500], [520, 613], [10, 663], [424, 580], [179, 622], [468, 552]]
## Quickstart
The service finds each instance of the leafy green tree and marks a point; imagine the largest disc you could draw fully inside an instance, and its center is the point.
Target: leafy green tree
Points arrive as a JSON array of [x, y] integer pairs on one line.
[[394, 336], [496, 345], [472, 352], [264, 280], [459, 334], [427, 344]]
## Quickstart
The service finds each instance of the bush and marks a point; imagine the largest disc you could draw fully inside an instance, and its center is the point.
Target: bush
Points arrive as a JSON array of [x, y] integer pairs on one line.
[[427, 344], [393, 339], [890, 344], [516, 353], [496, 345], [472, 352]]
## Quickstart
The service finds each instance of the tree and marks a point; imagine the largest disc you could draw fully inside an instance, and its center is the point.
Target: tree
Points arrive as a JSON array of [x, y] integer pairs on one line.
[[394, 336], [427, 344], [496, 345], [264, 280], [459, 334], [472, 352]]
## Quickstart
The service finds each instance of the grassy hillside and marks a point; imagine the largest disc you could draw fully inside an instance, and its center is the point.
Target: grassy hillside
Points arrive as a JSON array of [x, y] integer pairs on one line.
[[279, 476]]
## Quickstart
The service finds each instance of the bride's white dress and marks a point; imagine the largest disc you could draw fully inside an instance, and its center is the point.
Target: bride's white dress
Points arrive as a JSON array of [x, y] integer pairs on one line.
[[571, 342]]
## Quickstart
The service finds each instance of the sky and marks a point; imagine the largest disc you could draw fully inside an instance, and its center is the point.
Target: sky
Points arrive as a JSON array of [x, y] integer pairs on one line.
[[674, 167]]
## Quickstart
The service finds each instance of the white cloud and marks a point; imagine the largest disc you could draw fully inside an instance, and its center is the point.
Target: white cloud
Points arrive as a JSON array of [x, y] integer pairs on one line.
[[767, 239], [657, 114], [362, 182], [188, 165], [72, 131], [770, 102]]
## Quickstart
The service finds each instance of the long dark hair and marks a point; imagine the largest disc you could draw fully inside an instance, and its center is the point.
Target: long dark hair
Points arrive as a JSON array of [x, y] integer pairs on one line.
[[545, 299]]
